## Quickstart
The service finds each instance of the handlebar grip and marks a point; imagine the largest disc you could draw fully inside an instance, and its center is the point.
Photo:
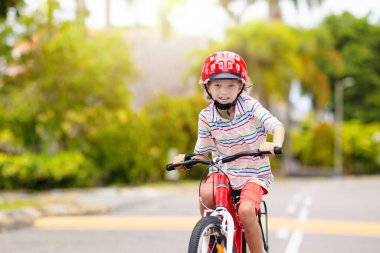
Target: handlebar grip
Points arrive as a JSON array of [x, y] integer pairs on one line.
[[277, 150], [170, 167]]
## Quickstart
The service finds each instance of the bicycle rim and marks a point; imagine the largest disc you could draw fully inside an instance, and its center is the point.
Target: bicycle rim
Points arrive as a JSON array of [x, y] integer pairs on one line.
[[206, 237]]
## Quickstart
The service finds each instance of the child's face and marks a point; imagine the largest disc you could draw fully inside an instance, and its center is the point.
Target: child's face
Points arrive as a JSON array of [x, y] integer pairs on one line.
[[224, 91]]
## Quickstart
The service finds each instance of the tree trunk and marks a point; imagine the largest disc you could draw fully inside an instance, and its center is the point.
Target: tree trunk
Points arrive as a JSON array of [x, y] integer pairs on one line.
[[260, 94], [108, 15], [50, 10], [80, 11], [274, 10]]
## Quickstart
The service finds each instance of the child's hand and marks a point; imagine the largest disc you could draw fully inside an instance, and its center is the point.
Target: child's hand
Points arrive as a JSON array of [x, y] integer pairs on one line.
[[268, 146], [179, 159]]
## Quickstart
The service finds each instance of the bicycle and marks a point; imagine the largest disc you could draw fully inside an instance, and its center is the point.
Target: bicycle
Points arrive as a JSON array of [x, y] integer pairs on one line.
[[220, 230]]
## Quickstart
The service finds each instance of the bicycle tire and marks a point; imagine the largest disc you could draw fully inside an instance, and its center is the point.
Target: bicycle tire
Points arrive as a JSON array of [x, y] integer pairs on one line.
[[208, 228]]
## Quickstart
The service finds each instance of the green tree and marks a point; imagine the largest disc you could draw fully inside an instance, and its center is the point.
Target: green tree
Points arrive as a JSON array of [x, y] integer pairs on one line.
[[7, 30], [5, 5], [358, 41], [270, 52], [320, 60], [69, 72], [70, 94]]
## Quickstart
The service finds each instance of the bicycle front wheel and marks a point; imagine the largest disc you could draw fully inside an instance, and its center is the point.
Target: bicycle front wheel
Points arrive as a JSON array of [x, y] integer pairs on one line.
[[207, 237]]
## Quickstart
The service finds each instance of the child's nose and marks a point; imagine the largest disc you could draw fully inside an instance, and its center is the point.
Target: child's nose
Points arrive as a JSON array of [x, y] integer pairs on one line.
[[223, 90]]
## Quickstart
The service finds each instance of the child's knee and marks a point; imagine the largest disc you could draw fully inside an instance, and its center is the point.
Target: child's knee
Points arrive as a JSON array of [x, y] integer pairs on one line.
[[247, 211], [207, 194]]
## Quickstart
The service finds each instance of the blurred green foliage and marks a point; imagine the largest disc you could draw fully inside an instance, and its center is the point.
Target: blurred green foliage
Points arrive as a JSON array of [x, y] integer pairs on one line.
[[361, 146], [358, 42], [64, 82], [41, 171], [321, 153], [5, 5]]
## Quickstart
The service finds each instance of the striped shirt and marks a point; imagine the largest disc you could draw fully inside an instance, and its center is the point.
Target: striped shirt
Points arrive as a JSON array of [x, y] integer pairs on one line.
[[248, 129]]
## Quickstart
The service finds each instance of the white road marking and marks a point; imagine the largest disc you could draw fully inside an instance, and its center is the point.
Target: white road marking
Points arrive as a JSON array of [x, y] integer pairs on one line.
[[296, 237], [295, 242], [304, 212], [292, 205], [282, 233]]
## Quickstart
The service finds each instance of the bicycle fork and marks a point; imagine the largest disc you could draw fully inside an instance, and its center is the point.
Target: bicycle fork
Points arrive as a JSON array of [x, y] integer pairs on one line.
[[228, 227]]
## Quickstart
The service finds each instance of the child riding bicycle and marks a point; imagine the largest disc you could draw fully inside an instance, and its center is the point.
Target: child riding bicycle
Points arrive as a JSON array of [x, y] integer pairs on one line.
[[235, 122]]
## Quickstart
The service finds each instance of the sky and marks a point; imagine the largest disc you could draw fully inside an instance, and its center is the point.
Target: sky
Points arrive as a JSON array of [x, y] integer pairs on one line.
[[205, 17]]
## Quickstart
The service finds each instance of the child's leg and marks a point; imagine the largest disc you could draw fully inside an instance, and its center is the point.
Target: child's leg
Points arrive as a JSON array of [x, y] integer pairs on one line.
[[250, 199], [207, 196]]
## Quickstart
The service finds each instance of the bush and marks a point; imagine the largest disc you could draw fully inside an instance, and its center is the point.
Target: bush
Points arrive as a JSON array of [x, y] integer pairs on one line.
[[361, 147], [313, 146], [38, 171]]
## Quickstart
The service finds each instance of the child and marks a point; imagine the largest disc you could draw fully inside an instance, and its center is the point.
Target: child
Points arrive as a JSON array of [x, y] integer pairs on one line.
[[232, 123]]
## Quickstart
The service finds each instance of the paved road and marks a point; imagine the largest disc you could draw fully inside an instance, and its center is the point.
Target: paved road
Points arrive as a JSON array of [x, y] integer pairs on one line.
[[306, 215]]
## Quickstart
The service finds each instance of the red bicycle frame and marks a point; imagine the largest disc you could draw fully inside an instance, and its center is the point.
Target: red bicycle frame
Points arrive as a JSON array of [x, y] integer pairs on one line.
[[223, 199]]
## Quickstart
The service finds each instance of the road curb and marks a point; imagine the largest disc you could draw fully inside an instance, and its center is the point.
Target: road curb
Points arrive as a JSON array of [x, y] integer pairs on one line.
[[24, 217]]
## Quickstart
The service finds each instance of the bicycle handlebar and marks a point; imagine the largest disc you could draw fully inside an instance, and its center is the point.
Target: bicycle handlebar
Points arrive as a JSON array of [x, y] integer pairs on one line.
[[188, 163], [230, 158]]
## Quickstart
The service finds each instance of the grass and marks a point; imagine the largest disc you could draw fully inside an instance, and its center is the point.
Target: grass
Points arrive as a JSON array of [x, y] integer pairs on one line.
[[17, 204], [9, 205]]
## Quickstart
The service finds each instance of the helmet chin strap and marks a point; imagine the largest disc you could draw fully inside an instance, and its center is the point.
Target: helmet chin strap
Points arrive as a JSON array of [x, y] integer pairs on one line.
[[221, 106]]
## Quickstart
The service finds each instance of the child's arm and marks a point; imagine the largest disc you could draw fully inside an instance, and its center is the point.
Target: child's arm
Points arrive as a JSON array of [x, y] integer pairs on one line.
[[278, 135], [278, 139]]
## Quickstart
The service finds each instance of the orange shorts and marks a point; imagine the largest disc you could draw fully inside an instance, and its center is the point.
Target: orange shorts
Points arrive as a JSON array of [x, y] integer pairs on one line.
[[251, 192]]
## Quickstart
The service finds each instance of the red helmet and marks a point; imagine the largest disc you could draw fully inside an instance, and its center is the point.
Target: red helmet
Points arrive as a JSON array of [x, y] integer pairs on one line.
[[224, 65]]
